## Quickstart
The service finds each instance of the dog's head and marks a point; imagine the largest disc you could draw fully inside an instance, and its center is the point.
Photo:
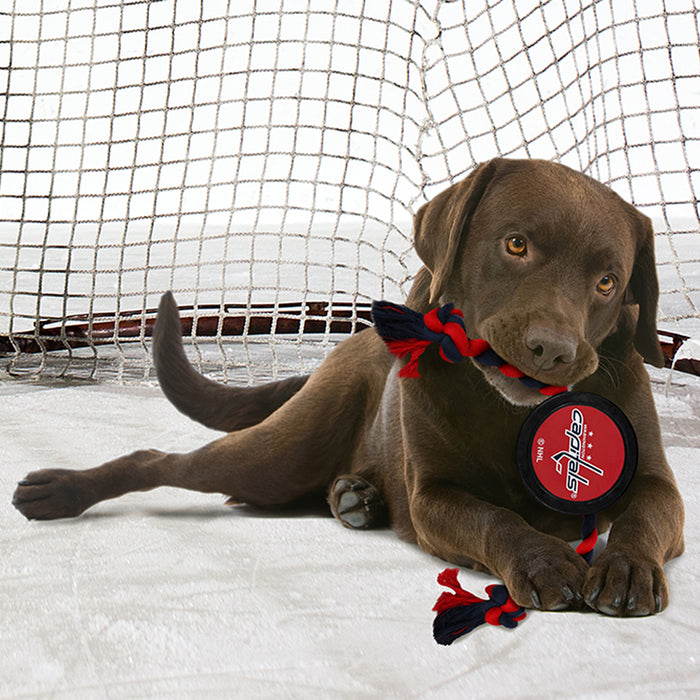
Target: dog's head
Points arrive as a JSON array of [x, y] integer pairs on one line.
[[542, 260]]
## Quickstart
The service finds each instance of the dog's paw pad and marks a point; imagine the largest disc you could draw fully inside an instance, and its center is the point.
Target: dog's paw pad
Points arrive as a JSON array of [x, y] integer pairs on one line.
[[348, 501], [356, 503]]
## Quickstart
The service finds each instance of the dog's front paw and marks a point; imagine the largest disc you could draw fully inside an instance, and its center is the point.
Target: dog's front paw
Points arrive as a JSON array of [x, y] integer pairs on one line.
[[356, 503], [49, 494], [625, 586], [547, 575]]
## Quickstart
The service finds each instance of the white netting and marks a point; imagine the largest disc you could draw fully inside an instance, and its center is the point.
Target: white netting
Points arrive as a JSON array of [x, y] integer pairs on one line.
[[274, 151]]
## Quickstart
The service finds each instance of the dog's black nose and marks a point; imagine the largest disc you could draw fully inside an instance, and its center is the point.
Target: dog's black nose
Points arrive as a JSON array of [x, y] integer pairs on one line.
[[549, 347]]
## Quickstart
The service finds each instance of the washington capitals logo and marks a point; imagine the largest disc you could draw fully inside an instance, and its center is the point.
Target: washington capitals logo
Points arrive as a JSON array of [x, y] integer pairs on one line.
[[571, 460]]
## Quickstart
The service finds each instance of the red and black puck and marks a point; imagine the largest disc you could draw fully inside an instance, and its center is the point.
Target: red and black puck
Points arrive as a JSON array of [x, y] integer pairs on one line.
[[577, 453]]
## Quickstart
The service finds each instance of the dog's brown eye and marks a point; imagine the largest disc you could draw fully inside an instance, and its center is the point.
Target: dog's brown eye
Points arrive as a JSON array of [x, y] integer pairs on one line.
[[606, 285], [516, 245]]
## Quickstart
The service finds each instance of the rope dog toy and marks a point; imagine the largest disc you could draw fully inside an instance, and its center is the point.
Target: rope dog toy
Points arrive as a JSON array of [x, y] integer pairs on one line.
[[576, 452], [407, 332]]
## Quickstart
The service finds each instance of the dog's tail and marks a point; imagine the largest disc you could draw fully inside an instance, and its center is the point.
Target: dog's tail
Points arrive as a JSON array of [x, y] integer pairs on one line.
[[215, 405]]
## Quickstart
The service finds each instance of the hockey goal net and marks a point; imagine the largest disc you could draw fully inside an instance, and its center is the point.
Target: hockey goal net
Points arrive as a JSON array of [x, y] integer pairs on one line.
[[262, 159]]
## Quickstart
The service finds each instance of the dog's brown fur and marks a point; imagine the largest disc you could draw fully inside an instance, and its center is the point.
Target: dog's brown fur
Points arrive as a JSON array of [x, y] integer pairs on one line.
[[436, 454]]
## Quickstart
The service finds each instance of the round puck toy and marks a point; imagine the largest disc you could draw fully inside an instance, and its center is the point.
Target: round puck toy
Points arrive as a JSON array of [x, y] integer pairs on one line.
[[577, 453]]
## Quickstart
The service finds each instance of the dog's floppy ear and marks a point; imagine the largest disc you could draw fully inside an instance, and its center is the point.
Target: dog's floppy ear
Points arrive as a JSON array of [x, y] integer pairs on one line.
[[644, 291], [439, 225]]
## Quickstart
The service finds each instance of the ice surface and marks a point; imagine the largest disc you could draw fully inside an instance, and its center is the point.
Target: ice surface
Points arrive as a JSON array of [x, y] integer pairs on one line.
[[169, 594]]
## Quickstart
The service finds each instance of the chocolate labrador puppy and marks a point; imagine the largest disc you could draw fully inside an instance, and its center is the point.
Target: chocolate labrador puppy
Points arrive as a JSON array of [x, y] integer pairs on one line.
[[557, 273]]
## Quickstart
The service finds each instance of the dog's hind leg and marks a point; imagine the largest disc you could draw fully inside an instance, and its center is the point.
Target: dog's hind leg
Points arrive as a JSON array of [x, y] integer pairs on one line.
[[298, 450], [254, 466]]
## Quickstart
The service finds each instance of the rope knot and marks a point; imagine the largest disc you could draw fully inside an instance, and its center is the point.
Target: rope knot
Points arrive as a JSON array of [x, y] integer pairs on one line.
[[505, 611], [448, 323], [460, 612]]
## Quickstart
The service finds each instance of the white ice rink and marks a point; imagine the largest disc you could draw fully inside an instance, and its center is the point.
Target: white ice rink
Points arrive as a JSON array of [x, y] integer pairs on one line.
[[170, 594]]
